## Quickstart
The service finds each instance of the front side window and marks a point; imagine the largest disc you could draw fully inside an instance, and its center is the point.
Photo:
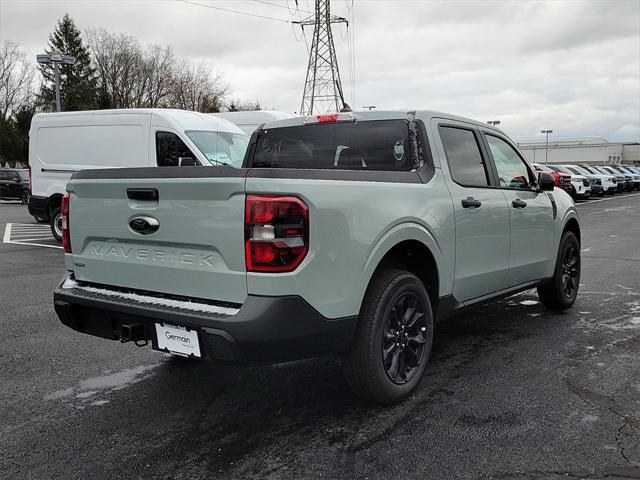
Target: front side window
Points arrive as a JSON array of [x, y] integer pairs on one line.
[[463, 156], [370, 145], [512, 171], [170, 149], [220, 148]]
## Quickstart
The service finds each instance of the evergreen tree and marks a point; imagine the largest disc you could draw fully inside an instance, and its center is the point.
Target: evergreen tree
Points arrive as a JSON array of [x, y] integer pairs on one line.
[[78, 84]]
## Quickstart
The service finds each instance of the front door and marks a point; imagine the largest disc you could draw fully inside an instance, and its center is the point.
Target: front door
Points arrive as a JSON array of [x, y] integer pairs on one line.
[[481, 214], [532, 253]]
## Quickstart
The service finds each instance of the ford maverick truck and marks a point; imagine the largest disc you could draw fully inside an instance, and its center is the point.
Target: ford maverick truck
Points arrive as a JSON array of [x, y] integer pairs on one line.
[[347, 233]]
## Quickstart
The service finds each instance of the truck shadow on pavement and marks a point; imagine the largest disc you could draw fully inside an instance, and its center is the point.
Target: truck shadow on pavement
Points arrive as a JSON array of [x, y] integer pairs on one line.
[[256, 421]]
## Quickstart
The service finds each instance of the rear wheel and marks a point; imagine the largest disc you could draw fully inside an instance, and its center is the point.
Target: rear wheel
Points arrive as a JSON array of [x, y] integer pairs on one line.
[[56, 224], [393, 339], [561, 292], [24, 196]]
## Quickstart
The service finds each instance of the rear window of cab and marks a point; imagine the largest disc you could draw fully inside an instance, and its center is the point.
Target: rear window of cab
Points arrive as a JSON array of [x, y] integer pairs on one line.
[[369, 145]]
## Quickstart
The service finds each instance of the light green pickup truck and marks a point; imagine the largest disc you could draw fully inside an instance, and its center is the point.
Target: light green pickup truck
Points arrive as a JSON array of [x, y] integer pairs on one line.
[[345, 233]]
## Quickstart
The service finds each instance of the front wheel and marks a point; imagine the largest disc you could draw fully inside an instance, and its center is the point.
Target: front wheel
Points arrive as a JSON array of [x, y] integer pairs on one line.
[[56, 224], [24, 196], [561, 292], [393, 338]]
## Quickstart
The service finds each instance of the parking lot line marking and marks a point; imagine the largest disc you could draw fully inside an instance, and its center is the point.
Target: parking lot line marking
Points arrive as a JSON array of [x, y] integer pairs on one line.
[[34, 236], [7, 234], [610, 198]]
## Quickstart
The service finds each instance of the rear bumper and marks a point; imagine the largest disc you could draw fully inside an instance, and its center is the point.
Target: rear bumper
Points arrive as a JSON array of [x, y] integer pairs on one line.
[[264, 329], [39, 207]]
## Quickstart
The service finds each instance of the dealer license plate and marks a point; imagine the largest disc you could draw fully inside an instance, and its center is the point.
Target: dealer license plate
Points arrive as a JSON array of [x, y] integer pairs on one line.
[[178, 340]]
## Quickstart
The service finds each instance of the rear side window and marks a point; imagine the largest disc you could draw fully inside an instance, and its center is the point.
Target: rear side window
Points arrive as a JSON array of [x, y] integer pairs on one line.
[[463, 156], [512, 171], [369, 145], [170, 149]]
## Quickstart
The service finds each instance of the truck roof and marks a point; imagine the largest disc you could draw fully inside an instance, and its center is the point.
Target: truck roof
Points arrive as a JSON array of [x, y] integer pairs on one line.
[[386, 115]]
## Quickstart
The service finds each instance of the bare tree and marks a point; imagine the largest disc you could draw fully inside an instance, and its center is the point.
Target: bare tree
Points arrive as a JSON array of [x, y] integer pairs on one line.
[[17, 74], [130, 76], [195, 87], [235, 105]]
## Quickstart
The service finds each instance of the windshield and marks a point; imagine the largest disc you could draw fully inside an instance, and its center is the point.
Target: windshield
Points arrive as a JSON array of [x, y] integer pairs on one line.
[[574, 170], [220, 148], [561, 169], [24, 174]]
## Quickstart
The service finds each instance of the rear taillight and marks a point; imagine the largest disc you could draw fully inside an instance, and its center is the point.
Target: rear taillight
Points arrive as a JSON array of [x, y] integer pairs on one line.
[[30, 182], [64, 211], [276, 233]]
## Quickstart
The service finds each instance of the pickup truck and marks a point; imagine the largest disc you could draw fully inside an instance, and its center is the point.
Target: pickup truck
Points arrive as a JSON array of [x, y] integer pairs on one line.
[[346, 233]]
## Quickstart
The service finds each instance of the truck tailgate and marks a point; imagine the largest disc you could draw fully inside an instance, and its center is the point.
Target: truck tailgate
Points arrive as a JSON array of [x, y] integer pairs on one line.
[[197, 250]]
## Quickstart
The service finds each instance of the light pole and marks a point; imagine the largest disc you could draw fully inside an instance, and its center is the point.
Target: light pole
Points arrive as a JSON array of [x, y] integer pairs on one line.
[[546, 147], [493, 122], [56, 59]]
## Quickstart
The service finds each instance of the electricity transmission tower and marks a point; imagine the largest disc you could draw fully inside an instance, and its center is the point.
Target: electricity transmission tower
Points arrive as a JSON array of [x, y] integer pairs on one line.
[[322, 87]]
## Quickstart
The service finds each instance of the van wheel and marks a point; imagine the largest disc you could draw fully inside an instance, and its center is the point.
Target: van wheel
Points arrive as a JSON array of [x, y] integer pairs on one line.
[[24, 196], [561, 292], [393, 338], [56, 224]]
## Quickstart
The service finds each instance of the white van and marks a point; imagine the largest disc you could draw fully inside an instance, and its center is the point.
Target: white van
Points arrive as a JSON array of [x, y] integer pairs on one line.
[[61, 144], [249, 120]]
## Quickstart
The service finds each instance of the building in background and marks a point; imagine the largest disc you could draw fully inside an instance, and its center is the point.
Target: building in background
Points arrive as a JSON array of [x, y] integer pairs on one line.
[[594, 150]]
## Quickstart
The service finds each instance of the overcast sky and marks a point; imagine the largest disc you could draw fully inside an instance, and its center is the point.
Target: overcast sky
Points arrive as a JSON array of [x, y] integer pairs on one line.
[[573, 67]]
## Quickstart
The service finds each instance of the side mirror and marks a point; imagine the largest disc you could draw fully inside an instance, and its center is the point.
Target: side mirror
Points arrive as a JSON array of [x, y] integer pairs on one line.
[[545, 182], [17, 180], [187, 162]]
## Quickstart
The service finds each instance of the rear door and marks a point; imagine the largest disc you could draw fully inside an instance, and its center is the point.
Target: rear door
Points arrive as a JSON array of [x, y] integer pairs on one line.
[[481, 214], [4, 183], [532, 249], [197, 249]]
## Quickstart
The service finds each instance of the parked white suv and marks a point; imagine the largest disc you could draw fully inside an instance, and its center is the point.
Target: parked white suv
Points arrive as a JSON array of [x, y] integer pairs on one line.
[[608, 182], [580, 183]]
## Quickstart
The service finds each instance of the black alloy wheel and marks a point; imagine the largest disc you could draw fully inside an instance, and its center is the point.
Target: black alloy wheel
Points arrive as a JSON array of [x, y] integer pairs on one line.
[[570, 272], [404, 338]]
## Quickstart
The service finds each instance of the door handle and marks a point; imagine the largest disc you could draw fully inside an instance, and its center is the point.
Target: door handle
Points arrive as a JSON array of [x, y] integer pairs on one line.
[[471, 202], [148, 194], [517, 203]]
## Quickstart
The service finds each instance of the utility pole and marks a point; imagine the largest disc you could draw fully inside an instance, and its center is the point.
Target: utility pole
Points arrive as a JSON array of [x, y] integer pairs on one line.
[[546, 146], [56, 59], [322, 87]]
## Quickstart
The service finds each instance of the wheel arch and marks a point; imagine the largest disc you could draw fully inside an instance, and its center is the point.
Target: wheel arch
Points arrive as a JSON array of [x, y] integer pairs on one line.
[[412, 248], [571, 224], [53, 202]]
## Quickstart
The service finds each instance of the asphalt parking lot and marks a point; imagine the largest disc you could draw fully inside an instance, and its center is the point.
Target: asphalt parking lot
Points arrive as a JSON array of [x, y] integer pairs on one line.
[[512, 391]]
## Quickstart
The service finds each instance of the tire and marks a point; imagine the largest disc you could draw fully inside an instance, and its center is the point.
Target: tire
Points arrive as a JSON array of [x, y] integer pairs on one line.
[[55, 220], [24, 196], [561, 292], [367, 373]]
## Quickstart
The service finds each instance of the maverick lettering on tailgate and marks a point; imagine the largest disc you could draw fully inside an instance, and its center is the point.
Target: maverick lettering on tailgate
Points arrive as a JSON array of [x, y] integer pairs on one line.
[[156, 255]]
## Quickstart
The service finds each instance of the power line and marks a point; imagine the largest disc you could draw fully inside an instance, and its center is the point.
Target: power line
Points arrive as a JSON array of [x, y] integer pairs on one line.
[[228, 10], [279, 6]]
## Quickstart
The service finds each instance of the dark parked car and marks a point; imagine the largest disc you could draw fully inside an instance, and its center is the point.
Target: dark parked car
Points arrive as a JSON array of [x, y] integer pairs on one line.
[[14, 184]]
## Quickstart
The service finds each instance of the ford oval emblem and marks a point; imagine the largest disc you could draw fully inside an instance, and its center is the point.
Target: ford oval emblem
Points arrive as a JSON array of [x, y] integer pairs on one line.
[[144, 225]]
